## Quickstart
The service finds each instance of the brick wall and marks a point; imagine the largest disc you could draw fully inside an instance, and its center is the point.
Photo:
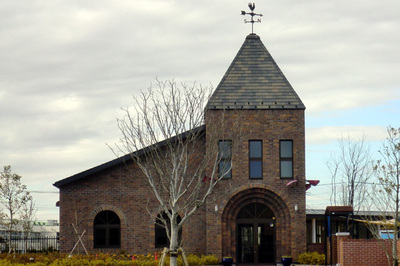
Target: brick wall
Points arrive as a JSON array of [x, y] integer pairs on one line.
[[316, 247], [123, 190], [270, 126], [359, 252], [364, 252]]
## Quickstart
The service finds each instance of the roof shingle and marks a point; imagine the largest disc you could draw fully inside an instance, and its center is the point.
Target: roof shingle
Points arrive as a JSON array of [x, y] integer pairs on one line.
[[254, 81]]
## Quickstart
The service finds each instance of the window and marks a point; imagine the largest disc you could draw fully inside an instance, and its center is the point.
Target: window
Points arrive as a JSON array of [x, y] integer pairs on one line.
[[107, 230], [286, 158], [225, 158], [320, 231], [161, 237], [387, 234], [255, 159]]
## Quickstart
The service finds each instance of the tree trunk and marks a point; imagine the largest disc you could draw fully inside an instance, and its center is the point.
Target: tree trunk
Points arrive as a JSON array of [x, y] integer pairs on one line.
[[173, 247], [396, 218]]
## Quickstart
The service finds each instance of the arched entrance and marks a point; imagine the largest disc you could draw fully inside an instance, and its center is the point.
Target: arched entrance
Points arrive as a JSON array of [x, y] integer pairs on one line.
[[256, 220], [255, 226]]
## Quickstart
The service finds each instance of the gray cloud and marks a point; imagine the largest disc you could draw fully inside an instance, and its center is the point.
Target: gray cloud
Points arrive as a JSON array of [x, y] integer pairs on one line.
[[68, 66]]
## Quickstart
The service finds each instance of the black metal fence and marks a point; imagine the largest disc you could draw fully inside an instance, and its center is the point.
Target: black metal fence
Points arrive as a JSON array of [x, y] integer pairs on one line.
[[30, 244]]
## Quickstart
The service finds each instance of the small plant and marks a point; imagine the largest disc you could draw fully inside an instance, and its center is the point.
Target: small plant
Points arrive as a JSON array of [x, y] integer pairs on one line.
[[313, 258]]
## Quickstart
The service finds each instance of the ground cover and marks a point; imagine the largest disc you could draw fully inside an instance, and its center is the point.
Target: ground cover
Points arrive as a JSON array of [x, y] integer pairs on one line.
[[60, 259]]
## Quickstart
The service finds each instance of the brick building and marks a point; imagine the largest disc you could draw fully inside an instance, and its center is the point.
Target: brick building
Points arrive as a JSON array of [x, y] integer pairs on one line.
[[262, 218]]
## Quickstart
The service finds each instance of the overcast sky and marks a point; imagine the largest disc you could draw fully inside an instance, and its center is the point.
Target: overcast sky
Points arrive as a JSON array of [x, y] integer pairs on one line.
[[67, 67]]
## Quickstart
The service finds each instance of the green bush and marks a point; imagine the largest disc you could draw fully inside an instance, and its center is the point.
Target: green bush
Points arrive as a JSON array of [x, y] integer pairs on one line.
[[313, 258]]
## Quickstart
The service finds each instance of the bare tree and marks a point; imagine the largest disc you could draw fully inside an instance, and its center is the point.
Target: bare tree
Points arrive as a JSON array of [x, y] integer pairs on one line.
[[386, 193], [28, 215], [165, 134], [13, 196], [351, 170]]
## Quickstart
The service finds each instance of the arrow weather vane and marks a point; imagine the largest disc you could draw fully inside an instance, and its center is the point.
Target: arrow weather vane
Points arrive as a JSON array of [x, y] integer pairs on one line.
[[252, 14]]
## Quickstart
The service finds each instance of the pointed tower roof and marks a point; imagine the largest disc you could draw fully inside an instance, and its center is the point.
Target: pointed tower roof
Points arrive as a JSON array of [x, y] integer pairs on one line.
[[254, 81]]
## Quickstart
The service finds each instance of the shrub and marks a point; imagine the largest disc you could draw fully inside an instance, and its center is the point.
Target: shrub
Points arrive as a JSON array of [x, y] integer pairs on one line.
[[123, 259], [313, 258], [202, 260]]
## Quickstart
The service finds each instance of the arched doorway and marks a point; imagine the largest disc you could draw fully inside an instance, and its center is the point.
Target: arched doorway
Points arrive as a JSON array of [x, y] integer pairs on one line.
[[231, 219], [255, 234]]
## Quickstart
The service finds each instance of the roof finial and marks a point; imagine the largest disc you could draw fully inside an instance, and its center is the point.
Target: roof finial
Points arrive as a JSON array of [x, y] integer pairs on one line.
[[252, 14]]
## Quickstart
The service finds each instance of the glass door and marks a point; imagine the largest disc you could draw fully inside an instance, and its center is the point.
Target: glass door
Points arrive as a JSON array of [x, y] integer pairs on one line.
[[246, 243], [265, 249], [255, 234]]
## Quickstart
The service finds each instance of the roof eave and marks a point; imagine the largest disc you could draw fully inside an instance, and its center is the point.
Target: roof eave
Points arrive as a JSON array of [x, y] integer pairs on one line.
[[255, 108]]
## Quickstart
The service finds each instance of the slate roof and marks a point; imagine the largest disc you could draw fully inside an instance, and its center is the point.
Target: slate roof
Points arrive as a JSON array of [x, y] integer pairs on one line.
[[254, 81]]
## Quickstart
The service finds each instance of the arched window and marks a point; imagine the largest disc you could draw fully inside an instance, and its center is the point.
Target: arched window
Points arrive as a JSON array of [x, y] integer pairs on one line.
[[255, 211], [107, 230], [161, 237]]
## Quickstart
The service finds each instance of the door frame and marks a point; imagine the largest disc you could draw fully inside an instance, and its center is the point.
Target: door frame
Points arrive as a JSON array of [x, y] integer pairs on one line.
[[255, 223]]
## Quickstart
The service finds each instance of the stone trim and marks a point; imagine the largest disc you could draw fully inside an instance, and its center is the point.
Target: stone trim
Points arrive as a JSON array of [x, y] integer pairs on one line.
[[107, 207]]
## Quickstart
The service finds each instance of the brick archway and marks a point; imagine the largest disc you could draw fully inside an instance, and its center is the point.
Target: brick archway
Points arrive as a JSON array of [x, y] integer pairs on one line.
[[122, 217], [106, 207], [256, 195]]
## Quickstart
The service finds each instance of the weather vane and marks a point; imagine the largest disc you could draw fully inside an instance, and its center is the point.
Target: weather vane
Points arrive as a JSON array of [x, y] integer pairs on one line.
[[252, 14]]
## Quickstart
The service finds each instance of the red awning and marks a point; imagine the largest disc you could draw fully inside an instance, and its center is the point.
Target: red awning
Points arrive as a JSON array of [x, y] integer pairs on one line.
[[311, 183]]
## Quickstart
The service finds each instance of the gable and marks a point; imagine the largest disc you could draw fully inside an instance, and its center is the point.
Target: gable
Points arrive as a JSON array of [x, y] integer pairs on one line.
[[122, 160]]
